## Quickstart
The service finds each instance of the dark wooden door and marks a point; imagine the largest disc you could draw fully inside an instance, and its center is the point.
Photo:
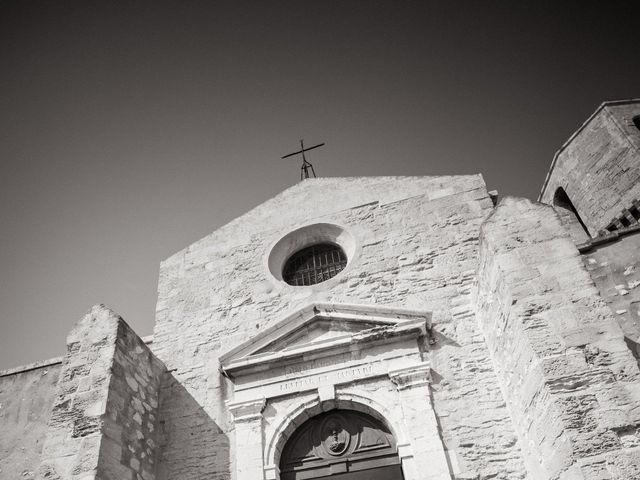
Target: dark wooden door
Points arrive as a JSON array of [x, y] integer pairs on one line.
[[341, 445], [393, 472]]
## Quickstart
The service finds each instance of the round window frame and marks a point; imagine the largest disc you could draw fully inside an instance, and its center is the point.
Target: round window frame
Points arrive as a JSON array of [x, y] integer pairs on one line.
[[306, 236]]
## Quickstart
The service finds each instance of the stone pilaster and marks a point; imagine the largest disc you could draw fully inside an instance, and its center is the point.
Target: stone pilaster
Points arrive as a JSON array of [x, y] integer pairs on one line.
[[424, 457], [248, 432]]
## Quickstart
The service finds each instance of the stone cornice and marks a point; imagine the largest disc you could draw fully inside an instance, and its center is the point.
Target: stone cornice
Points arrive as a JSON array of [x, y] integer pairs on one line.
[[411, 377], [247, 411]]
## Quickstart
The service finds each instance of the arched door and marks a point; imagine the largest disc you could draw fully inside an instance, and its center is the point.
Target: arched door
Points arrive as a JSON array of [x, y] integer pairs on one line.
[[341, 445]]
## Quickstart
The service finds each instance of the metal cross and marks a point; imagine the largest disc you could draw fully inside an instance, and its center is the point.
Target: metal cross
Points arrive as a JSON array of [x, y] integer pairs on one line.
[[306, 166]]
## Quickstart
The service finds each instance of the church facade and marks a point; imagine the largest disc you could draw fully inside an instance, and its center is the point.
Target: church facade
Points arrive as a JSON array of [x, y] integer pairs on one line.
[[414, 328]]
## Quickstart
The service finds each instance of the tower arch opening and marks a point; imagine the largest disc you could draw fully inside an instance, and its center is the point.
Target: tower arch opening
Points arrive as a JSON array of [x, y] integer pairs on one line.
[[341, 444], [569, 216]]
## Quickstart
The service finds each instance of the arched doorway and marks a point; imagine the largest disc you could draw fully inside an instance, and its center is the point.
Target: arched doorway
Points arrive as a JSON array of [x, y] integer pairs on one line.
[[341, 445]]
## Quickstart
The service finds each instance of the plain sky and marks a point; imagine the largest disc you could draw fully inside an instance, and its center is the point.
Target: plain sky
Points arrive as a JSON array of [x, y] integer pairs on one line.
[[130, 129]]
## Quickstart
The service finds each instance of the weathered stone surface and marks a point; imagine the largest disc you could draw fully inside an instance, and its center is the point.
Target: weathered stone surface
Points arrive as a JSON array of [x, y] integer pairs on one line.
[[615, 269], [417, 248], [598, 166], [104, 419], [26, 398], [569, 380]]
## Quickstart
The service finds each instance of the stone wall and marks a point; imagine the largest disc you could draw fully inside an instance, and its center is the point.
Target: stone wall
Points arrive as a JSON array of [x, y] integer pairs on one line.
[[614, 266], [599, 166], [417, 248], [568, 377], [104, 418], [26, 397], [131, 428]]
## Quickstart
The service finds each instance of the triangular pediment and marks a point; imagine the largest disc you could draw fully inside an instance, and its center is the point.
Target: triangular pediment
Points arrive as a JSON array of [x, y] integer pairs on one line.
[[322, 326], [319, 329]]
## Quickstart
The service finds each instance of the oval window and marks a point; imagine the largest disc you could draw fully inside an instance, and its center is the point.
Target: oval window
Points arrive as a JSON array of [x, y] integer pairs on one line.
[[314, 264]]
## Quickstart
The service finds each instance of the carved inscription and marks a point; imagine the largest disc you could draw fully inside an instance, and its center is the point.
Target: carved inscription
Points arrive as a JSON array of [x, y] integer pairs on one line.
[[302, 383], [332, 377]]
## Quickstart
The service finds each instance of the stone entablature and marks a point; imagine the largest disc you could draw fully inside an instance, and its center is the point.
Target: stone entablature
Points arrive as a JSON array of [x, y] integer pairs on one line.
[[334, 356], [324, 356]]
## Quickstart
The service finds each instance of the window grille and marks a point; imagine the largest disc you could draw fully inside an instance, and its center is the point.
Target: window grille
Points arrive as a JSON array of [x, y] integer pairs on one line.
[[314, 264]]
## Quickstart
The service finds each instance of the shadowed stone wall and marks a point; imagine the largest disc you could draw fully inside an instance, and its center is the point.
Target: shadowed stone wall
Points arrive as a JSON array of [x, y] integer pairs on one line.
[[569, 379]]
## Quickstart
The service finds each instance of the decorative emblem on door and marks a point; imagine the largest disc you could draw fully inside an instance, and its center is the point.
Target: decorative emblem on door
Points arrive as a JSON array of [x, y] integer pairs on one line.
[[340, 441], [335, 438]]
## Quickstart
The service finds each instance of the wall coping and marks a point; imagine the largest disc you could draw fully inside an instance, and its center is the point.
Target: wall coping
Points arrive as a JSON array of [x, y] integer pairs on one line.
[[49, 362], [31, 366]]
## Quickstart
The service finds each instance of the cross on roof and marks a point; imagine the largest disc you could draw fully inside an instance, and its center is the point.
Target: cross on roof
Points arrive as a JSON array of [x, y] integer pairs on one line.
[[306, 166]]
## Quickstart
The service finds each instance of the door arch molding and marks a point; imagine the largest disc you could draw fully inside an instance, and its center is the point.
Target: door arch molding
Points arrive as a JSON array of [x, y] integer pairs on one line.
[[344, 443], [296, 416]]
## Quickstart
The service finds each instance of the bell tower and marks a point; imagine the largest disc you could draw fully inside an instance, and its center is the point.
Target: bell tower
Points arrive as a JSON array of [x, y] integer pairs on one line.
[[596, 173]]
